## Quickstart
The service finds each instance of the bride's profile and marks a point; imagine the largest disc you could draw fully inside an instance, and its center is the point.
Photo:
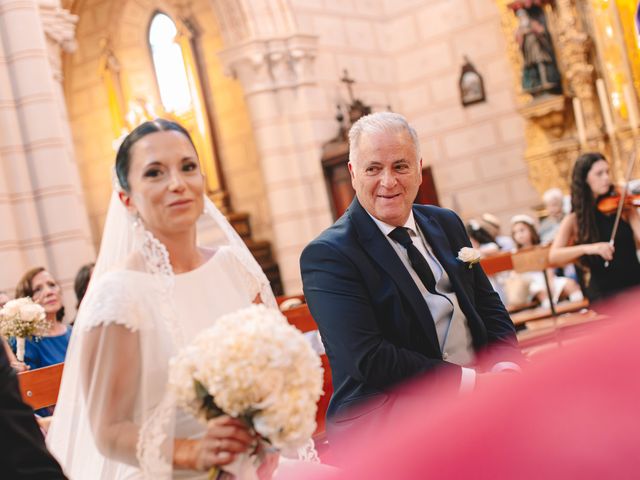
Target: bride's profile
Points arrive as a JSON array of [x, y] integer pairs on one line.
[[169, 265]]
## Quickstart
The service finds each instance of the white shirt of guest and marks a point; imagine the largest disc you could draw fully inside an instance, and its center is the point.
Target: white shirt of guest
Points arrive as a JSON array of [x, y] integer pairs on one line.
[[454, 336]]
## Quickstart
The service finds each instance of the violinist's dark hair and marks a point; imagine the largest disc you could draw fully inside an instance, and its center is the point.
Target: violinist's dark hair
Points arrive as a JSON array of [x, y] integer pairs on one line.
[[582, 201]]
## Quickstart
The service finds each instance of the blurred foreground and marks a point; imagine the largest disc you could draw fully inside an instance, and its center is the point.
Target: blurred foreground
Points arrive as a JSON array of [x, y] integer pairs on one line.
[[574, 413]]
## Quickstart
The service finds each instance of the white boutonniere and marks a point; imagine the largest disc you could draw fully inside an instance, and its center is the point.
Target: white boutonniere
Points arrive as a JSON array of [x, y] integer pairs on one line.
[[469, 256]]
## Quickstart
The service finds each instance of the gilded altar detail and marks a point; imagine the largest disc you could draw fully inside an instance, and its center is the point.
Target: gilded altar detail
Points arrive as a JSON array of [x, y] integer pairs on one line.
[[583, 35]]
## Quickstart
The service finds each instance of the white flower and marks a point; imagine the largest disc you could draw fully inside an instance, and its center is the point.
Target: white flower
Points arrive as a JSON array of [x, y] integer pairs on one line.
[[22, 318], [469, 255], [256, 366]]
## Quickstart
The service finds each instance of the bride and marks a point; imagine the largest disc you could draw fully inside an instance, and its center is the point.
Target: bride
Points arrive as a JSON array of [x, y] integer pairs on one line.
[[169, 265]]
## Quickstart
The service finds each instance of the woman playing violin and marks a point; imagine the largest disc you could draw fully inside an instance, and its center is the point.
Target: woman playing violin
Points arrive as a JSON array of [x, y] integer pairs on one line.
[[584, 234]]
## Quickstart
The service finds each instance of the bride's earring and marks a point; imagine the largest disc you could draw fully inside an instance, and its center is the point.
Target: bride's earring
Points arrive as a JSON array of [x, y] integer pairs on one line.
[[137, 221]]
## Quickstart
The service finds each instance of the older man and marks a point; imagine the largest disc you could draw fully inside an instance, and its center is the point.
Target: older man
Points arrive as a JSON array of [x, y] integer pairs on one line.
[[553, 200], [384, 284]]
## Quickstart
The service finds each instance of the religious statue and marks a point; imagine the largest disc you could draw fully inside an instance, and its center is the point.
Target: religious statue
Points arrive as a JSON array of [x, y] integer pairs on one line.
[[539, 72]]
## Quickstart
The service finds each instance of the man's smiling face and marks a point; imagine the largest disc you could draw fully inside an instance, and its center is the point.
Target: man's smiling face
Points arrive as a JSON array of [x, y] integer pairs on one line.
[[386, 175]]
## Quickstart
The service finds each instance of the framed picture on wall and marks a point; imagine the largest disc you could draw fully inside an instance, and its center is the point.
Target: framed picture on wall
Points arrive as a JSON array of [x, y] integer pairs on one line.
[[471, 85]]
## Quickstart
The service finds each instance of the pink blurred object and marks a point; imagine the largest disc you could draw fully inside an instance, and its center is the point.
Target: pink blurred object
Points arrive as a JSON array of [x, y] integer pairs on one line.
[[573, 414]]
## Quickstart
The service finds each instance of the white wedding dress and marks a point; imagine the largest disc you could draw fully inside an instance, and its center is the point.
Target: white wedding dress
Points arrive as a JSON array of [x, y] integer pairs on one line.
[[133, 299], [116, 418]]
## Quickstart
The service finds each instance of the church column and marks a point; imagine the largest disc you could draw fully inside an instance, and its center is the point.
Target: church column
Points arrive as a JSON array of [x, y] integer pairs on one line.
[[278, 82], [41, 204]]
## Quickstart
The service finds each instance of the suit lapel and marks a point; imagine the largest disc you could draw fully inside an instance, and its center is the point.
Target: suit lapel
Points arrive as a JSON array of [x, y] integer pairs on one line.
[[379, 249], [441, 248]]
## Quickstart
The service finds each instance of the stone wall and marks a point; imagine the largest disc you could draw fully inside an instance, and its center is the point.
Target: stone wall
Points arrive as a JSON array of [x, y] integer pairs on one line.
[[408, 54]]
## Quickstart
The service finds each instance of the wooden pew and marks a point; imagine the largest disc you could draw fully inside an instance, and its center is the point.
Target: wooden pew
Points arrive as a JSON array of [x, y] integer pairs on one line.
[[39, 387], [541, 313], [300, 317], [534, 259], [563, 321]]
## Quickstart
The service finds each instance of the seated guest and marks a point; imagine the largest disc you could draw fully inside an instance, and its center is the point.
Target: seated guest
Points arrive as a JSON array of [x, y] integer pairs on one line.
[[553, 201], [486, 244], [391, 298], [50, 349], [491, 224], [480, 238], [524, 235], [81, 281]]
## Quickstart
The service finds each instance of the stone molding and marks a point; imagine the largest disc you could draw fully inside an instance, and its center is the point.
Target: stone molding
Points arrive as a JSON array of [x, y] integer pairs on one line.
[[59, 25], [269, 65]]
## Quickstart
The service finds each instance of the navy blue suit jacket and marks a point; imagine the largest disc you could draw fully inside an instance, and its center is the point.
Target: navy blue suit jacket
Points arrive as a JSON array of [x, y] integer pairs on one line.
[[23, 453], [374, 322]]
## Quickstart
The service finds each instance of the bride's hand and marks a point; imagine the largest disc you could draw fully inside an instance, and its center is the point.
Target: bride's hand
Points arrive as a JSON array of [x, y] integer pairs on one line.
[[225, 438], [268, 466]]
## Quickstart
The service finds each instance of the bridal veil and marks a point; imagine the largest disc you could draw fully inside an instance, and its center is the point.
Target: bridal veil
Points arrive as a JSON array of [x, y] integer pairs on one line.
[[115, 417]]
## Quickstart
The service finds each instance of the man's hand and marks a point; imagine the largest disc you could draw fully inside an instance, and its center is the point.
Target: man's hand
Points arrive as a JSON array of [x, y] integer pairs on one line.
[[484, 379]]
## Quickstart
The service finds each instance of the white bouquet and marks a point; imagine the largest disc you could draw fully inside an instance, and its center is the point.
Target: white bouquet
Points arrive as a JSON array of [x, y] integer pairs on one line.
[[254, 366], [22, 318]]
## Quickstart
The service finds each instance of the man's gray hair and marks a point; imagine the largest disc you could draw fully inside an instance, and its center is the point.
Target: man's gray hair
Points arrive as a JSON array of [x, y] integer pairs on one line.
[[380, 122], [551, 195]]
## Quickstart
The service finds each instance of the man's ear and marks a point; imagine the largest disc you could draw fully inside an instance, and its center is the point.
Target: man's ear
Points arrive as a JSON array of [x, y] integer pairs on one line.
[[126, 201], [350, 165]]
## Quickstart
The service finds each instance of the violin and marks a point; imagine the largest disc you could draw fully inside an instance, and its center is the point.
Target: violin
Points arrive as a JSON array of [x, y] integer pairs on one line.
[[609, 204]]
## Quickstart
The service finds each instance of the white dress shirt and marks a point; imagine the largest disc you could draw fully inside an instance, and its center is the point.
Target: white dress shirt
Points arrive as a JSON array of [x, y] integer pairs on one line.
[[454, 336]]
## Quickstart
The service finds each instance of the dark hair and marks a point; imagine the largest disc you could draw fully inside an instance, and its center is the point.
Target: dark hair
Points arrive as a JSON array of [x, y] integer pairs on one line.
[[479, 234], [25, 288], [582, 201], [535, 236], [81, 281], [123, 157]]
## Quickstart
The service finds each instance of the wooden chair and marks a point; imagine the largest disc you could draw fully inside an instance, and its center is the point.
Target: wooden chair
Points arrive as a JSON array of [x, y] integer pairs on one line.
[[564, 319], [39, 387], [535, 259], [300, 317], [499, 262]]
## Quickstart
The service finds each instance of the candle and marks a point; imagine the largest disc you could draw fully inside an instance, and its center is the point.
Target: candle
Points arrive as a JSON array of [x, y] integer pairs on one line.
[[604, 106], [577, 113], [632, 106]]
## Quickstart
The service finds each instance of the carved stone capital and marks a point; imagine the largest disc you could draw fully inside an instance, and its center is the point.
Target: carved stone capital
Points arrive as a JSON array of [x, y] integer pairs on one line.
[[272, 64], [59, 25]]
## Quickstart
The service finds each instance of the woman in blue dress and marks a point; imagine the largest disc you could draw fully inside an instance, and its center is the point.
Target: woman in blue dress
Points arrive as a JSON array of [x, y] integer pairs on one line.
[[50, 349]]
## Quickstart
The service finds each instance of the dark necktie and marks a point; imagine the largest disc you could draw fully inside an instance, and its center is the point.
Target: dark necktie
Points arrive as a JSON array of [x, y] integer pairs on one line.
[[418, 262]]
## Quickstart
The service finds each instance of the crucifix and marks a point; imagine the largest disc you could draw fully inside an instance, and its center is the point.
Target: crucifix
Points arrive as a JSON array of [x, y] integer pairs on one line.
[[349, 83]]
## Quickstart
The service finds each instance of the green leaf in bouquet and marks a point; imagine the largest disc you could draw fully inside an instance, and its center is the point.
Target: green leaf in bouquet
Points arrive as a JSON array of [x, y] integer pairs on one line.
[[207, 404]]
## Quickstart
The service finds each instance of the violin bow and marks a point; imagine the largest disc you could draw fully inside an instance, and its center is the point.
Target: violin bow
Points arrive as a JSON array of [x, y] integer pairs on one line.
[[623, 195]]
